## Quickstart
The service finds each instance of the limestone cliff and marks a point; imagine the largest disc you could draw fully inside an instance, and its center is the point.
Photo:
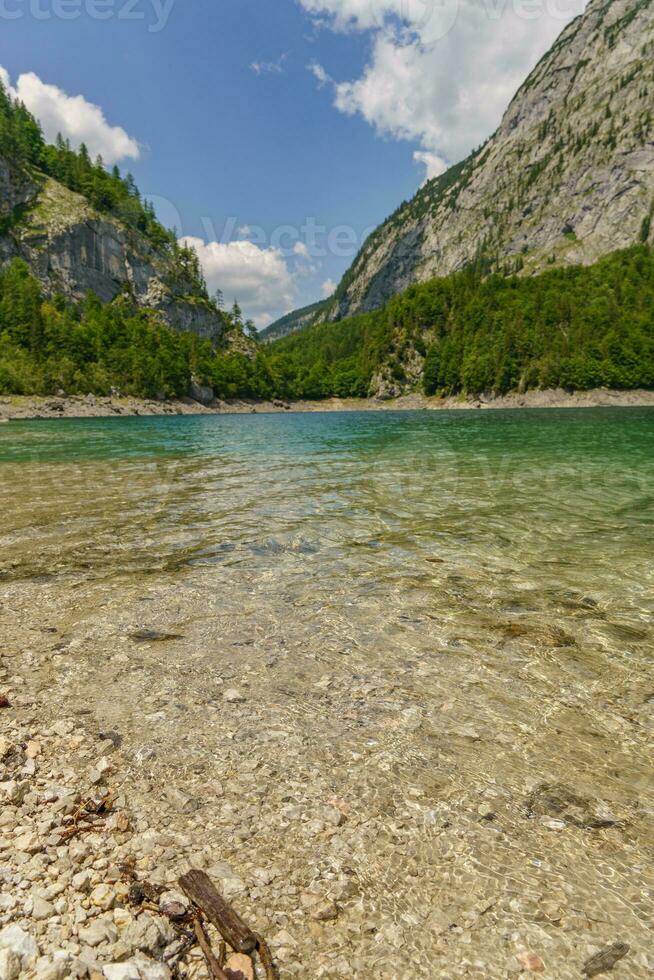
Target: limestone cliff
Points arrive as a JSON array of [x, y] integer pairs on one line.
[[567, 177], [71, 248]]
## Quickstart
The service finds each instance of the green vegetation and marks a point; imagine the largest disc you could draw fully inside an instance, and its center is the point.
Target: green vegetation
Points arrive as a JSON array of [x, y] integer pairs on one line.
[[576, 328], [48, 346], [22, 143], [573, 328]]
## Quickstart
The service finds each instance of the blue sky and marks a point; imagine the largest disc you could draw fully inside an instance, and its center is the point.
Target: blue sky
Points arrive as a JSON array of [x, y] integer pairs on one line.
[[275, 133]]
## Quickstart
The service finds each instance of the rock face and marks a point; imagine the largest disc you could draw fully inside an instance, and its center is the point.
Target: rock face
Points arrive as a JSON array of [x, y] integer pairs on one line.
[[567, 177], [72, 249], [292, 322]]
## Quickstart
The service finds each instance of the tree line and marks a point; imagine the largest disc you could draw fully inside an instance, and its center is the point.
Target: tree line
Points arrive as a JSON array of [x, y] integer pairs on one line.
[[575, 328]]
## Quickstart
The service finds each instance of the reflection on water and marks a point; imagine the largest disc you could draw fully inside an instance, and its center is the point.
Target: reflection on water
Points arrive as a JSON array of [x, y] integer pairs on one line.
[[439, 604]]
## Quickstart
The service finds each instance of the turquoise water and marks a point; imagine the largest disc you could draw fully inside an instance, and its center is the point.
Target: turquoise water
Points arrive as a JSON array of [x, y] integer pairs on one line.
[[618, 433], [568, 487]]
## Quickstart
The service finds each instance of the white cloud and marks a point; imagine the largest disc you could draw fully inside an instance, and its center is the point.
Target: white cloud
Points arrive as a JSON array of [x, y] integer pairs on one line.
[[434, 165], [257, 277], [442, 72], [300, 249], [328, 288], [319, 74], [72, 116], [269, 67]]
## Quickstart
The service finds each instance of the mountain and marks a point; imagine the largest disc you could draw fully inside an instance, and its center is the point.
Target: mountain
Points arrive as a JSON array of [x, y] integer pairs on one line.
[[292, 322], [81, 228], [567, 177], [96, 296]]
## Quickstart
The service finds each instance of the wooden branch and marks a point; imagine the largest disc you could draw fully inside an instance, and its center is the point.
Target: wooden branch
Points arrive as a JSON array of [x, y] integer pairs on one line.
[[200, 889], [215, 969], [266, 958]]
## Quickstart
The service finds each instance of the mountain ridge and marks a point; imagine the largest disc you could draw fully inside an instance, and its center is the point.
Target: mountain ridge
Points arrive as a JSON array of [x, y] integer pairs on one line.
[[566, 178]]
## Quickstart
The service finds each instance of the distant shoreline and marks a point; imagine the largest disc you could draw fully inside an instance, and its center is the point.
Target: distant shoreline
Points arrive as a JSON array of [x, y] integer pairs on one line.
[[26, 407]]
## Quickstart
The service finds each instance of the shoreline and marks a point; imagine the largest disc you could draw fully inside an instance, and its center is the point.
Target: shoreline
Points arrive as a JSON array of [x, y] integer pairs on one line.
[[32, 407]]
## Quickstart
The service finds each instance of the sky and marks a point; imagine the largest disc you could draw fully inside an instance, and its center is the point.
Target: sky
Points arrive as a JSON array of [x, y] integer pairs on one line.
[[275, 134]]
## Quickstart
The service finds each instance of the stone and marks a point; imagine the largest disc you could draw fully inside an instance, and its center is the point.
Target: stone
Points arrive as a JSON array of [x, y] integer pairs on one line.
[[56, 968], [241, 965], [331, 816], [231, 887], [122, 971], [20, 943], [560, 804], [10, 965], [605, 959], [100, 931], [550, 824], [103, 897], [180, 800], [232, 696], [531, 961], [13, 791], [41, 909], [150, 970], [148, 934], [81, 881], [201, 393]]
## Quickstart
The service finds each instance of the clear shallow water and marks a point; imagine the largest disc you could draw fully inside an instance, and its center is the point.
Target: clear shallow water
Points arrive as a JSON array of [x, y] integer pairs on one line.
[[439, 608]]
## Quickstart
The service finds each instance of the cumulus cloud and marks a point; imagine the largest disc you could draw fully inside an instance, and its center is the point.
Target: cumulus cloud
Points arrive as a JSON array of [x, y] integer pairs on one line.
[[72, 116], [257, 277], [328, 288], [441, 72]]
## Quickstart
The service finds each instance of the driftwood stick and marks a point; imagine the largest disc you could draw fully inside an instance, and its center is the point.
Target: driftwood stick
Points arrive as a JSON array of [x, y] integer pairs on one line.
[[222, 952], [215, 969], [266, 958], [202, 892]]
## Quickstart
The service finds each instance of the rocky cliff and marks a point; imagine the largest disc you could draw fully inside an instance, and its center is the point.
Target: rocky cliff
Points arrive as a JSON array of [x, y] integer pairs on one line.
[[292, 322], [72, 249], [567, 177]]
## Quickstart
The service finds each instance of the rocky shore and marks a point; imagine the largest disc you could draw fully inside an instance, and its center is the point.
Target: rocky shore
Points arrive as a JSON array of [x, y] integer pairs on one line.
[[88, 881], [17, 407]]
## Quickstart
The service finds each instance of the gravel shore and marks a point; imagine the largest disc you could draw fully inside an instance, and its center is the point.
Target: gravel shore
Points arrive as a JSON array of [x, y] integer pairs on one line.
[[71, 903], [91, 406]]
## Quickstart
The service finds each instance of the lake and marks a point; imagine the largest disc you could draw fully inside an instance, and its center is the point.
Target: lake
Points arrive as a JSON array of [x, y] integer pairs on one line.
[[443, 621]]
